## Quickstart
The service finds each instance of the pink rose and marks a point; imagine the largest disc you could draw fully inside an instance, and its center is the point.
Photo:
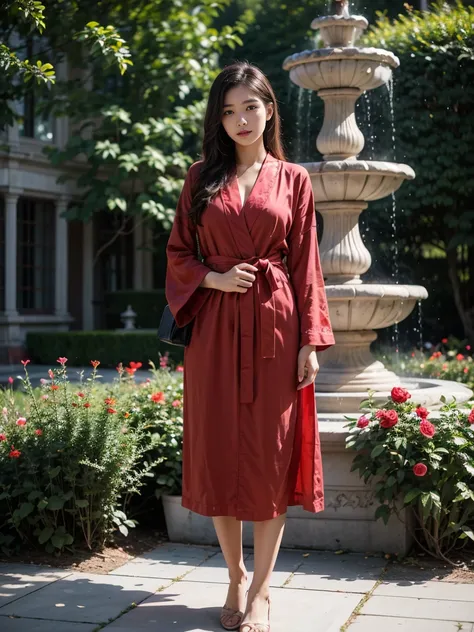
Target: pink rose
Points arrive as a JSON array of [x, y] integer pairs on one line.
[[176, 403], [400, 395], [10, 380], [3, 437], [420, 469], [471, 417], [388, 418], [362, 422], [427, 429], [62, 361]]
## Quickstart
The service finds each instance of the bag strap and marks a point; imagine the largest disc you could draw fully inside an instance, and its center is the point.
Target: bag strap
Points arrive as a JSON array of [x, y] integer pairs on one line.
[[199, 247]]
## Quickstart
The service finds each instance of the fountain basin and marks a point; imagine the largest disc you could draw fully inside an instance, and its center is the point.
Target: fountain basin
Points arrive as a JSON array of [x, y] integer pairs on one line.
[[340, 30], [356, 180], [371, 306], [424, 391], [362, 68]]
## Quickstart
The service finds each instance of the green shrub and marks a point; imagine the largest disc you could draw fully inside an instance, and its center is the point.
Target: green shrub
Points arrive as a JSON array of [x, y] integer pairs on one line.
[[68, 462], [147, 304], [427, 465], [157, 406], [111, 347]]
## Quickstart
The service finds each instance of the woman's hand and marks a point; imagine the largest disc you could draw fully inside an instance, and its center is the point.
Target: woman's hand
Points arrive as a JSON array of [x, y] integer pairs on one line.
[[238, 279], [308, 366]]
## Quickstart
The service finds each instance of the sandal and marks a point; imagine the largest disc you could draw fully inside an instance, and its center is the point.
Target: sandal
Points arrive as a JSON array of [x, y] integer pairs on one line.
[[230, 618], [257, 627]]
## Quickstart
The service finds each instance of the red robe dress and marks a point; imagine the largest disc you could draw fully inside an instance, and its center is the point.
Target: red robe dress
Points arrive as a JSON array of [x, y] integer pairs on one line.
[[250, 444]]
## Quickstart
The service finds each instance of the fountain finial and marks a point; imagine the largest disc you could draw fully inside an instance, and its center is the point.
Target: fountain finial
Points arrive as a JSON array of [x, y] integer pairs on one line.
[[340, 7]]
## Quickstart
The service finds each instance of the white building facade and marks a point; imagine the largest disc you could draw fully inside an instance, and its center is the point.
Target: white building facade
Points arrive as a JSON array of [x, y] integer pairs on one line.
[[51, 278]]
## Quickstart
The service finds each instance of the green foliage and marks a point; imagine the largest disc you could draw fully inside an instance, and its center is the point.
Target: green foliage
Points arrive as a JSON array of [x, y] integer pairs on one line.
[[426, 465], [112, 347], [448, 360], [157, 405], [69, 459], [434, 127]]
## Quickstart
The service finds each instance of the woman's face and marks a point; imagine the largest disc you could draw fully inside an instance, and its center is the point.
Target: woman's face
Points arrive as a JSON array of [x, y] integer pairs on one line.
[[245, 115]]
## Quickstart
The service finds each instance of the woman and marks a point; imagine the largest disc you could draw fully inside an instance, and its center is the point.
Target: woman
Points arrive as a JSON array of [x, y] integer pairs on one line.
[[251, 445]]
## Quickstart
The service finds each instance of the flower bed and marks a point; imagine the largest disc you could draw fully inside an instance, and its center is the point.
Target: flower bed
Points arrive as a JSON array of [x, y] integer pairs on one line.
[[427, 464], [72, 456]]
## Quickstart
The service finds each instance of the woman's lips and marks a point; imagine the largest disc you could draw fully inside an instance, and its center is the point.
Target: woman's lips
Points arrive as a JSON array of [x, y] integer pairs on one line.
[[246, 133]]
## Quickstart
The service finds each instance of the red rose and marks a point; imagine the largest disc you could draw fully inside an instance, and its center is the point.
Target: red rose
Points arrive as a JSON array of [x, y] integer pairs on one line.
[[362, 422], [62, 361], [54, 387], [3, 437], [25, 362], [112, 411], [21, 421], [110, 401], [388, 418], [38, 432], [460, 357], [444, 340], [135, 365], [399, 394], [95, 363], [471, 417], [427, 429], [130, 370], [158, 398], [80, 394], [422, 412], [14, 454], [87, 405], [420, 469]]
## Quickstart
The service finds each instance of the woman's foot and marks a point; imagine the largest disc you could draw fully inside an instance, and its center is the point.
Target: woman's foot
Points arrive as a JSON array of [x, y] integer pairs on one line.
[[257, 614], [233, 611]]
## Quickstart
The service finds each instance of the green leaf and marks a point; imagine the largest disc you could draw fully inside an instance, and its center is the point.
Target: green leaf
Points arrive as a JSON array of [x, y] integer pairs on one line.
[[42, 504], [468, 532], [80, 502], [377, 451], [55, 471], [25, 510], [123, 530], [411, 495], [58, 541], [383, 511], [55, 503], [45, 534]]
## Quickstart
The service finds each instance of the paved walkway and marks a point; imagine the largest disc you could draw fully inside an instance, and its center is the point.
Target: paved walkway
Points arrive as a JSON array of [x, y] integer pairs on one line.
[[179, 588]]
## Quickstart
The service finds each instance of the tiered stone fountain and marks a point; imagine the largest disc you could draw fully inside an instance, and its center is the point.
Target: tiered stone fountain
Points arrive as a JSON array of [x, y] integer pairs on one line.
[[339, 73], [343, 185]]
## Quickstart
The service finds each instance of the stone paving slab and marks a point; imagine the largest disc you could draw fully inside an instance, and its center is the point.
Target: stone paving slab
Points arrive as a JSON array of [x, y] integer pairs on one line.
[[367, 623], [18, 580], [213, 570], [166, 562], [190, 607], [347, 573], [36, 625], [427, 590], [83, 597], [439, 610]]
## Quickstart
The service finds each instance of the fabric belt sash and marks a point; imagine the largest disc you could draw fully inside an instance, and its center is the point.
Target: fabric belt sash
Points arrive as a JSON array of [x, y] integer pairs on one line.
[[268, 280]]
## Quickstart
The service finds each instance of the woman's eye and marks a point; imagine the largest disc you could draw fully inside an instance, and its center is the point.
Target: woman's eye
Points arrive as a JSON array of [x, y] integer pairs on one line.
[[254, 107], [227, 112]]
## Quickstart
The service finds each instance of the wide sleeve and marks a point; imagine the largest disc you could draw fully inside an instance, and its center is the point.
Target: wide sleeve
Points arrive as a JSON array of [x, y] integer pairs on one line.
[[305, 271], [184, 272]]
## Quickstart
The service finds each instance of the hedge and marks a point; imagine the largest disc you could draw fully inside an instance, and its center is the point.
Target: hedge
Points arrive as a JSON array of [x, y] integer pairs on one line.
[[110, 347]]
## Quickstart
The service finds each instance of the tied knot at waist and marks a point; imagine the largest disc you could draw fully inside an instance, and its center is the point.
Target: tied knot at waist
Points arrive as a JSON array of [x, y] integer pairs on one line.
[[266, 265], [266, 283]]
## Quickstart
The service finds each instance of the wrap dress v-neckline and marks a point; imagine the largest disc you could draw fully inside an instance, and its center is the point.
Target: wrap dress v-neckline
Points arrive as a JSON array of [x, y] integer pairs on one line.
[[251, 443]]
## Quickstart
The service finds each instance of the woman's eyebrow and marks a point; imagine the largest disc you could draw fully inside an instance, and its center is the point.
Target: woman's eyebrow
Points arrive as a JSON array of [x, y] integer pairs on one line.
[[231, 105]]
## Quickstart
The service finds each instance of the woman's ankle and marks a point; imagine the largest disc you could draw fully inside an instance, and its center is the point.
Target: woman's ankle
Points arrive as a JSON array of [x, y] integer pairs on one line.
[[238, 576]]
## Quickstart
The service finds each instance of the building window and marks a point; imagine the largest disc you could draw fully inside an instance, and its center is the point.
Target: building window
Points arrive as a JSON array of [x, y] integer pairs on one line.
[[32, 121], [36, 256]]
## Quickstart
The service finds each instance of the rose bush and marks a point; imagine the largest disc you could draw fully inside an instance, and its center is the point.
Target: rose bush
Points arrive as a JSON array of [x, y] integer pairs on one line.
[[425, 464], [69, 458]]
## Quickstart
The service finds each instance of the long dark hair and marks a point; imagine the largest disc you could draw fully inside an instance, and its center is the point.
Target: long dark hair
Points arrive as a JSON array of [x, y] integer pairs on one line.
[[218, 149]]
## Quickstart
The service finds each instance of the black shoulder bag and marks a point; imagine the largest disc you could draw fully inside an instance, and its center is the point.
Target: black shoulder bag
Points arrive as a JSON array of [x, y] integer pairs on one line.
[[168, 331]]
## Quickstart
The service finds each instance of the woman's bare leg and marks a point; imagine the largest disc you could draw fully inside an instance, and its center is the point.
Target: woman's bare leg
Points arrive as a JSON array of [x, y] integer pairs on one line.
[[267, 540], [229, 534]]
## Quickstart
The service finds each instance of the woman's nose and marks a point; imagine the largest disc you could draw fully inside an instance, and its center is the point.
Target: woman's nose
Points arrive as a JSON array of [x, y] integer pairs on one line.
[[242, 121]]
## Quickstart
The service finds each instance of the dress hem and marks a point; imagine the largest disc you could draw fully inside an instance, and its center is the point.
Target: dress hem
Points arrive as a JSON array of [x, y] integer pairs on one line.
[[228, 511]]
